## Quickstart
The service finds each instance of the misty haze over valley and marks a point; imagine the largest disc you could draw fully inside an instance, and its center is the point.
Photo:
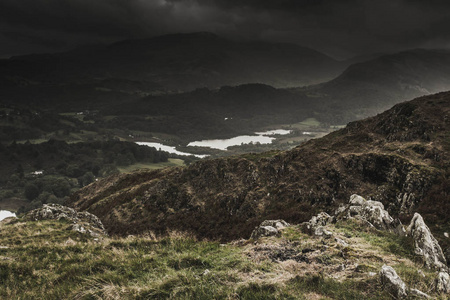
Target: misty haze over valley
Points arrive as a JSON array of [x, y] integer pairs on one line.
[[224, 149]]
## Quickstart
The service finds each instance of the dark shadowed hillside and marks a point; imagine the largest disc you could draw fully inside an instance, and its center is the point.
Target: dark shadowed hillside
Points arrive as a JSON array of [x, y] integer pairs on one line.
[[399, 157]]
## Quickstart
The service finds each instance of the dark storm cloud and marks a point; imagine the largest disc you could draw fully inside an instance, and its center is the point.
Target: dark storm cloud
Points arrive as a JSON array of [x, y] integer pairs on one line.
[[341, 28]]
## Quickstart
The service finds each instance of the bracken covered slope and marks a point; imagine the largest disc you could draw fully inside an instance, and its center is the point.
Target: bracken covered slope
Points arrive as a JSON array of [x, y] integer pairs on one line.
[[399, 157]]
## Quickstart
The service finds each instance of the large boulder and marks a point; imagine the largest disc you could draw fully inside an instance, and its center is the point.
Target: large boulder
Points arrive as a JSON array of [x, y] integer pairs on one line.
[[392, 282], [425, 244], [268, 228], [443, 283], [83, 222], [372, 212]]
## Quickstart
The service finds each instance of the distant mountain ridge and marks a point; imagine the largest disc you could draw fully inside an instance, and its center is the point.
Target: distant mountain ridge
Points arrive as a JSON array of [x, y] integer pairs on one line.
[[182, 62]]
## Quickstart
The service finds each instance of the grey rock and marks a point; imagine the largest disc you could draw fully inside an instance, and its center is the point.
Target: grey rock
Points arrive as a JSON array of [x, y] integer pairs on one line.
[[372, 212], [264, 231], [341, 242], [418, 294], [443, 282], [278, 224], [392, 282], [78, 228], [321, 219], [425, 244], [357, 200], [268, 228], [315, 225], [321, 231]]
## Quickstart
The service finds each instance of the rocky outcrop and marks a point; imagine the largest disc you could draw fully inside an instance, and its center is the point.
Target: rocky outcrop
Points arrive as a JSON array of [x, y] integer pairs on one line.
[[392, 282], [425, 244], [443, 282], [83, 222], [370, 211], [315, 226], [268, 228]]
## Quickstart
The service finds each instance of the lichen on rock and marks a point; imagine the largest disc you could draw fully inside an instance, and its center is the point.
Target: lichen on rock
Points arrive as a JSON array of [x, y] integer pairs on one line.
[[425, 244]]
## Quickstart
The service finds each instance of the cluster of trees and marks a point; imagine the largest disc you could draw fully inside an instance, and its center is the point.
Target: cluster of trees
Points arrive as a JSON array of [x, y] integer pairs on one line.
[[50, 171], [26, 123]]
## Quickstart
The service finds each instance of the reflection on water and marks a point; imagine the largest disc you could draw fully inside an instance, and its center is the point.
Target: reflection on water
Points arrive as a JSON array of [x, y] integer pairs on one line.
[[261, 137], [236, 141]]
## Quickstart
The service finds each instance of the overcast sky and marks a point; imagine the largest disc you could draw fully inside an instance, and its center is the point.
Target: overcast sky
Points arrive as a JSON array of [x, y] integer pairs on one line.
[[340, 28]]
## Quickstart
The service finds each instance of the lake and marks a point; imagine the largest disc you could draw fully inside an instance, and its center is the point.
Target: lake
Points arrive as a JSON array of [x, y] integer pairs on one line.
[[169, 149], [6, 214], [236, 141], [265, 137]]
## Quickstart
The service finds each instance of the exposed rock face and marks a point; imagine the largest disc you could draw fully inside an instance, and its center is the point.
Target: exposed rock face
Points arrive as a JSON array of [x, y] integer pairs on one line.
[[392, 282], [268, 228], [370, 211], [425, 244], [84, 222], [443, 282]]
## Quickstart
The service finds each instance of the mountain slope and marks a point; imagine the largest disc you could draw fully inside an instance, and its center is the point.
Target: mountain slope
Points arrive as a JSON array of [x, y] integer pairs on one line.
[[399, 157]]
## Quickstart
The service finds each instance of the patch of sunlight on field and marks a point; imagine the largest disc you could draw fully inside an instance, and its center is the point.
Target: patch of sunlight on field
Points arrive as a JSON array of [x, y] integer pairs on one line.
[[173, 162], [310, 122]]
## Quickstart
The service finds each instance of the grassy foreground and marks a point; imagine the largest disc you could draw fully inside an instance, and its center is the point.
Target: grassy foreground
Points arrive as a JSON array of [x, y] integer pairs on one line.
[[46, 260]]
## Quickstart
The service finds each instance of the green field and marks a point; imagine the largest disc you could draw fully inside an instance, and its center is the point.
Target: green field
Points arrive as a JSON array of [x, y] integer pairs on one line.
[[173, 162]]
